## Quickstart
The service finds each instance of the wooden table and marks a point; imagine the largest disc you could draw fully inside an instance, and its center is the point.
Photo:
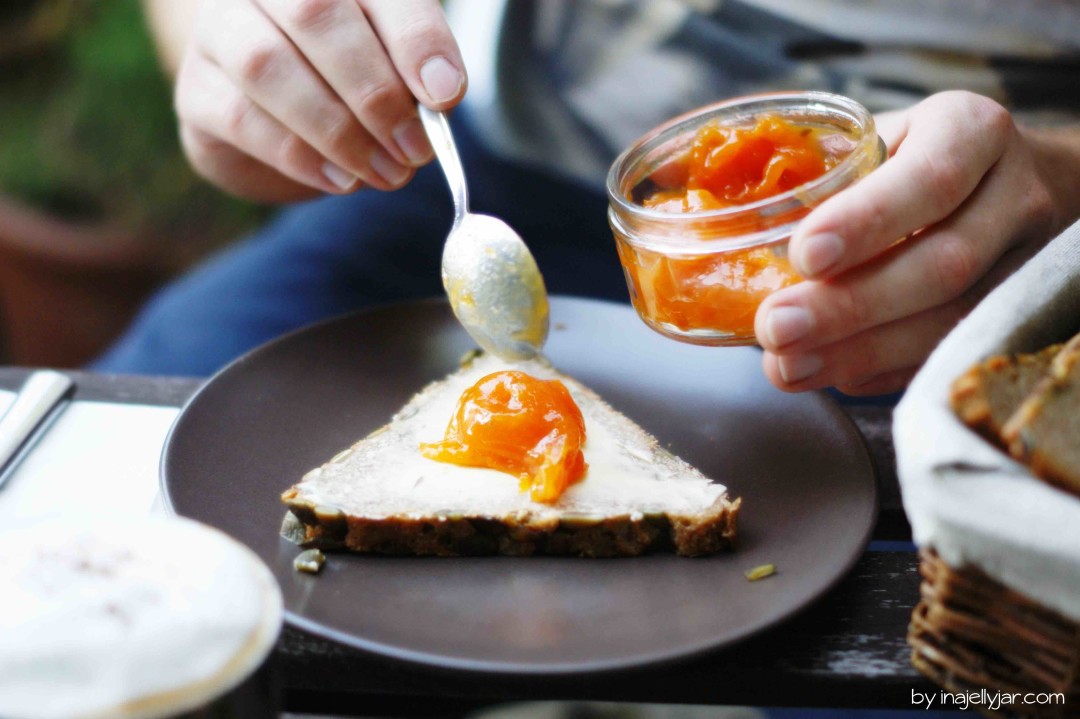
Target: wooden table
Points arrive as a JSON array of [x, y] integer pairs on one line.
[[848, 650]]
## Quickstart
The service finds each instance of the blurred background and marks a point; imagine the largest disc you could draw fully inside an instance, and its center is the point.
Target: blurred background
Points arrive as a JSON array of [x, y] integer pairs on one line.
[[97, 204]]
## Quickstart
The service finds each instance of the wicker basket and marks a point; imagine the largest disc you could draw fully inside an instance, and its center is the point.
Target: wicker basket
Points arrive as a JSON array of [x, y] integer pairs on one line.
[[970, 633]]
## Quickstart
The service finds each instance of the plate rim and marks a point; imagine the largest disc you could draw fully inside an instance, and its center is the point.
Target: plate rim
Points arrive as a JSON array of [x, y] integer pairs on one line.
[[493, 667]]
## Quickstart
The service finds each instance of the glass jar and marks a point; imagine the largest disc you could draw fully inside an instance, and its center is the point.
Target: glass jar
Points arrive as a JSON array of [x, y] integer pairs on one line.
[[699, 276]]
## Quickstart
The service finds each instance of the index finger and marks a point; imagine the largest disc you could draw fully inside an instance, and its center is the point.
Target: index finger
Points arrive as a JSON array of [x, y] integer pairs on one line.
[[422, 48], [952, 140]]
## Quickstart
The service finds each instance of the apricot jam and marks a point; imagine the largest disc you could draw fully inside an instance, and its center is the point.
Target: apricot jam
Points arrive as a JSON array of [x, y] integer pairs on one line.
[[515, 423], [725, 167], [720, 292], [702, 208], [729, 166]]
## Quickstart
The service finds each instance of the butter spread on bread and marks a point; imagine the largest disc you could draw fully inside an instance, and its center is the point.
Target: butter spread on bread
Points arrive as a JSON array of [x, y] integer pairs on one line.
[[383, 496]]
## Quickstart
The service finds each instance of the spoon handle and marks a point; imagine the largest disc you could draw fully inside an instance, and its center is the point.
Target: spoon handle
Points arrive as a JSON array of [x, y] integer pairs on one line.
[[438, 132]]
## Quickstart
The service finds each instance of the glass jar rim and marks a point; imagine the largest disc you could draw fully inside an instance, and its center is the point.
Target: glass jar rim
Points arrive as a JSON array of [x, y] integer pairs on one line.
[[867, 145]]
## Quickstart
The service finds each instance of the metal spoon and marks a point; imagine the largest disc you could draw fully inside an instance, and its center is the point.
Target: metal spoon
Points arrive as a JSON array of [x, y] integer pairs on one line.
[[492, 280]]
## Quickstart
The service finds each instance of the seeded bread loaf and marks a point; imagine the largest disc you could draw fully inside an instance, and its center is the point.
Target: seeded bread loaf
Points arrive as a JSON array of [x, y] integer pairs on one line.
[[381, 496], [986, 396], [1044, 432]]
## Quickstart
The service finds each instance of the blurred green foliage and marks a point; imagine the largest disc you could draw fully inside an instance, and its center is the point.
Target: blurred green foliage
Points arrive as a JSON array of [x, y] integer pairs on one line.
[[87, 129]]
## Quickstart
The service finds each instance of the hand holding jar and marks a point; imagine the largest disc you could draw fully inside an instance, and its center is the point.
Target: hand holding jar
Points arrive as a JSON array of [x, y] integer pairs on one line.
[[702, 208], [768, 219], [973, 194]]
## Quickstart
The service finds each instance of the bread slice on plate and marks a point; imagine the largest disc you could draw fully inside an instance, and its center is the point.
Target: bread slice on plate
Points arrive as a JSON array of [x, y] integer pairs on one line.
[[986, 396], [382, 496], [1044, 432]]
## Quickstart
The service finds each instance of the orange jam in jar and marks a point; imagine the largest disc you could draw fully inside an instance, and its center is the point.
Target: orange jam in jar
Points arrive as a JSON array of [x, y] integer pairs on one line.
[[702, 208], [515, 423]]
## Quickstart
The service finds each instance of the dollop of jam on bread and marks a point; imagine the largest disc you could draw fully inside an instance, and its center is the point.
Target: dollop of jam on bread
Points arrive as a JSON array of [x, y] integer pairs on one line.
[[513, 422]]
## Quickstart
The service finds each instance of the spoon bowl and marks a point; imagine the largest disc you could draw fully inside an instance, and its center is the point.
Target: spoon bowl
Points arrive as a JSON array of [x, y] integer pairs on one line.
[[495, 287]]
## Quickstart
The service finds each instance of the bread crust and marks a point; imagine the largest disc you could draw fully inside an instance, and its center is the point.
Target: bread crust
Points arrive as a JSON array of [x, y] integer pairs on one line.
[[519, 535]]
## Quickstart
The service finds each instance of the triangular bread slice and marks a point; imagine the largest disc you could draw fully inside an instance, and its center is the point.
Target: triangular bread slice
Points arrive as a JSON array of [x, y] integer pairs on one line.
[[382, 496]]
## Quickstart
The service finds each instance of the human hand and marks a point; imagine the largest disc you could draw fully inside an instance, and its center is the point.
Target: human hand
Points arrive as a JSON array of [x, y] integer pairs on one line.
[[283, 99], [973, 194]]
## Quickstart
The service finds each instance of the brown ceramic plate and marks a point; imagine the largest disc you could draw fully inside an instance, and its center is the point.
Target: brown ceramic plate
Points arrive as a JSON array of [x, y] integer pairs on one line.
[[800, 465]]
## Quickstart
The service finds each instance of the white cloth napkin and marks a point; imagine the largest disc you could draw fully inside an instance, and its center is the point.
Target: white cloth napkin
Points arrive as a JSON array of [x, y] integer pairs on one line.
[[965, 498], [97, 457]]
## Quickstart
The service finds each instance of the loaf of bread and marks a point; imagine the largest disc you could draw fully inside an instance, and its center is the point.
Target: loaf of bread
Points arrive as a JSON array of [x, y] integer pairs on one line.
[[1044, 432], [986, 395], [382, 496], [1028, 405]]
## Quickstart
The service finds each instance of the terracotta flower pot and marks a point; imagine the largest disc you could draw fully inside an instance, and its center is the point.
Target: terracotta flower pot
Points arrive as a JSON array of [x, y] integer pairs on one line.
[[67, 290]]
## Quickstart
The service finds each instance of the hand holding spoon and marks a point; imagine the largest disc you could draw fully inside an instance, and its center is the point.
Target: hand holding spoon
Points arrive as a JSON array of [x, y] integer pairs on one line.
[[491, 278]]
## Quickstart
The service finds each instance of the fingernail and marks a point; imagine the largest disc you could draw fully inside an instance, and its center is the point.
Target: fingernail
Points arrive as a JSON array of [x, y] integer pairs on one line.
[[799, 367], [412, 140], [820, 253], [387, 168], [784, 325], [441, 79], [340, 178]]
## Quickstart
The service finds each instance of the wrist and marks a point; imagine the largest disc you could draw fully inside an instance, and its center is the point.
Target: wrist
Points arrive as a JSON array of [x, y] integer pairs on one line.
[[1056, 152]]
